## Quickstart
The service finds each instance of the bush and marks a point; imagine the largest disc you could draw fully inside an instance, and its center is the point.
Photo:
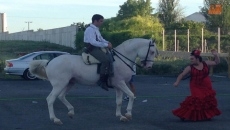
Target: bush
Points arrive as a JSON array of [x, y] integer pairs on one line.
[[222, 67], [79, 42], [173, 67], [2, 65], [116, 38], [165, 66]]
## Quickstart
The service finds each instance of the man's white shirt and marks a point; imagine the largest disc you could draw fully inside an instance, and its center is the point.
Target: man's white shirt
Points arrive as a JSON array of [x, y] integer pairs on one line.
[[90, 35]]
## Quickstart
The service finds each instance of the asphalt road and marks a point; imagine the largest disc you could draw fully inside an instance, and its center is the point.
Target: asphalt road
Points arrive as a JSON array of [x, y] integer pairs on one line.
[[23, 106]]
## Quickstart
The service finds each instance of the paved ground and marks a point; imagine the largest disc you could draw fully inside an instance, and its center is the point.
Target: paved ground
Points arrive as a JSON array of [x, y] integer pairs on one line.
[[23, 106]]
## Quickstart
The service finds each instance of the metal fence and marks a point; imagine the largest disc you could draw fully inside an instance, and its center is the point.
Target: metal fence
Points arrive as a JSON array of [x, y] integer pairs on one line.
[[187, 40]]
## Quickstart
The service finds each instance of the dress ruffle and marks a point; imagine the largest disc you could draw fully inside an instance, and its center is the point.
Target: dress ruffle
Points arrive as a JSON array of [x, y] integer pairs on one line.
[[198, 108]]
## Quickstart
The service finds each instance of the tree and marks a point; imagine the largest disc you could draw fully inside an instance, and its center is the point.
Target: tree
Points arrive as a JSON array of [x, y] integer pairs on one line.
[[81, 25], [135, 24], [221, 20], [39, 29], [169, 11], [184, 25], [132, 8]]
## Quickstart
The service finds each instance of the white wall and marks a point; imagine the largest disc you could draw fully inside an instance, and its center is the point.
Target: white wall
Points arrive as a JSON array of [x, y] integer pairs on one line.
[[62, 36]]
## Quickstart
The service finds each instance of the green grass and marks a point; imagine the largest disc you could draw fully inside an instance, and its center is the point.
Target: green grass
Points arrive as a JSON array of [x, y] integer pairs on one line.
[[13, 49]]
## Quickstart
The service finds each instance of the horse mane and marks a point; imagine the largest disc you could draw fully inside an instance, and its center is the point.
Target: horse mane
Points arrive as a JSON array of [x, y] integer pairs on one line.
[[128, 42]]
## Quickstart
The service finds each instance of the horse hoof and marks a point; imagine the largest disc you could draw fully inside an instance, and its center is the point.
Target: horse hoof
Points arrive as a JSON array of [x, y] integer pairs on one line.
[[70, 114], [128, 116], [123, 119], [58, 122]]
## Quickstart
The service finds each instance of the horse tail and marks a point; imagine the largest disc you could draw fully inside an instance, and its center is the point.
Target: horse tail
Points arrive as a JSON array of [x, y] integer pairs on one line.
[[38, 68]]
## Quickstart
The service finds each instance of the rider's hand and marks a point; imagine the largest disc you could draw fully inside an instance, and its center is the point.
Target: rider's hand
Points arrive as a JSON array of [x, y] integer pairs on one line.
[[110, 45]]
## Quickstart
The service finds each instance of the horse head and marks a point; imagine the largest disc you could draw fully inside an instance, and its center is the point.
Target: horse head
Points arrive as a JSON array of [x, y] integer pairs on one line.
[[147, 53]]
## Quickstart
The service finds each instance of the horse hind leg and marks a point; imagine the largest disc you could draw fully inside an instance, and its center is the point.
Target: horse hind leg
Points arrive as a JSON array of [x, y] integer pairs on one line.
[[57, 89], [62, 98]]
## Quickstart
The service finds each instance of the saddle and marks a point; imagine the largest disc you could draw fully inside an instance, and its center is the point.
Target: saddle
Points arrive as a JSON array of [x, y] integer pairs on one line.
[[89, 59]]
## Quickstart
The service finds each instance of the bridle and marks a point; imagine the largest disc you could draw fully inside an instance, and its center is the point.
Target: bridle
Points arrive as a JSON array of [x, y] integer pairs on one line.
[[144, 62]]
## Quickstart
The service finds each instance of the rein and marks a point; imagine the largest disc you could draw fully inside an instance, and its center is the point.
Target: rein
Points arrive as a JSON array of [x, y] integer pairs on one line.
[[115, 51], [144, 61]]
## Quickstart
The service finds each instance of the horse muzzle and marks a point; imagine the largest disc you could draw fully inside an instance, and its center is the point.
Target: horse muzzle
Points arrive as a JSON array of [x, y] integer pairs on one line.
[[146, 65]]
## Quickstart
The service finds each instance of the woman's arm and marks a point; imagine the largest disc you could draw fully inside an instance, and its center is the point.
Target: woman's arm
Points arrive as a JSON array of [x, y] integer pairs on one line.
[[185, 72], [216, 60]]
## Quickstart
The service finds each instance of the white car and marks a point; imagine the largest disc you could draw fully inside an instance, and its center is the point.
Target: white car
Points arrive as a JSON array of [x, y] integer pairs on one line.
[[20, 66]]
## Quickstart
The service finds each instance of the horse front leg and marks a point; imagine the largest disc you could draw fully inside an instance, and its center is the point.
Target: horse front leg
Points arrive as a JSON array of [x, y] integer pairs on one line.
[[119, 95], [128, 115], [127, 91]]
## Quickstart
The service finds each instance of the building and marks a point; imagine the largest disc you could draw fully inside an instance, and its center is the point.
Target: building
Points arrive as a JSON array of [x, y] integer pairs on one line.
[[196, 17], [3, 22]]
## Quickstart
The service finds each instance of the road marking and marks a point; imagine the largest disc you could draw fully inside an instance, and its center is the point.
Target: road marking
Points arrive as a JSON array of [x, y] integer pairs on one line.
[[101, 97]]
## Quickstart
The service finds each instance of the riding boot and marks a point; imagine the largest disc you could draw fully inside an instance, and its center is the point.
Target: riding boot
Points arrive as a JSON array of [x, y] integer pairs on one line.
[[107, 80], [102, 82]]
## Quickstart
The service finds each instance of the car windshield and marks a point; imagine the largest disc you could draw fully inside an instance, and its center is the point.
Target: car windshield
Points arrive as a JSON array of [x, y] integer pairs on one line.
[[25, 56]]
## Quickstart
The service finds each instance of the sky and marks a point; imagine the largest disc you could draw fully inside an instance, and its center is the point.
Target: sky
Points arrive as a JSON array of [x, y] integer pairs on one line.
[[49, 14]]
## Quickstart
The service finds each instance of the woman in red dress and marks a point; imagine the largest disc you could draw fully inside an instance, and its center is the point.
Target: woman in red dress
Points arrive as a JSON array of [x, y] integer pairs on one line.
[[202, 104]]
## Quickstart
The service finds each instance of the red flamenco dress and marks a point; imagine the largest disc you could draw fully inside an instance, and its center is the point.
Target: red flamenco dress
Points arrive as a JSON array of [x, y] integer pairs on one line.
[[202, 104]]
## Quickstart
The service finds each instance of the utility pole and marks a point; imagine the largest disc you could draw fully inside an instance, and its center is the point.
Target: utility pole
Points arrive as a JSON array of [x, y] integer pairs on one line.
[[28, 24]]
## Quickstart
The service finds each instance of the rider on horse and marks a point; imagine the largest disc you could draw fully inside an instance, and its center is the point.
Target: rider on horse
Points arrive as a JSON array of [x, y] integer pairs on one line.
[[94, 42]]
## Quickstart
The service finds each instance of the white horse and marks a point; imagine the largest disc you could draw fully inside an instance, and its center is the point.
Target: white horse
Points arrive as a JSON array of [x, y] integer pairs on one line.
[[63, 70]]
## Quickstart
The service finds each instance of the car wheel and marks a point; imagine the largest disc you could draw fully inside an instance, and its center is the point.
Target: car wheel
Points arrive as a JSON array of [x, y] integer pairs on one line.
[[28, 76]]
